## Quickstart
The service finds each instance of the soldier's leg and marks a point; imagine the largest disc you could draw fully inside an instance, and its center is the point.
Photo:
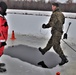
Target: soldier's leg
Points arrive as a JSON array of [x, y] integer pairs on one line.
[[58, 50], [48, 46], [56, 43]]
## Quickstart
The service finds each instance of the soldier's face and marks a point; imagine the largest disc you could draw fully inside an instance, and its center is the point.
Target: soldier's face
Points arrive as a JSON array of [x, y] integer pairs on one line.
[[53, 8]]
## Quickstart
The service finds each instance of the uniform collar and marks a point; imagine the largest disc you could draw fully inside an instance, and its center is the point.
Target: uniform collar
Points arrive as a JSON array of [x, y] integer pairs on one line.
[[57, 9]]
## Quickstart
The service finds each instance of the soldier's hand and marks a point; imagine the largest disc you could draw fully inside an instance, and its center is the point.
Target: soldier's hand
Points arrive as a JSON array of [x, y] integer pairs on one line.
[[44, 26]]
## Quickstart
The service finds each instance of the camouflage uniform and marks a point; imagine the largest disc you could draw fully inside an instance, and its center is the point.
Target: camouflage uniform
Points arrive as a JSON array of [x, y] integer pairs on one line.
[[56, 22]]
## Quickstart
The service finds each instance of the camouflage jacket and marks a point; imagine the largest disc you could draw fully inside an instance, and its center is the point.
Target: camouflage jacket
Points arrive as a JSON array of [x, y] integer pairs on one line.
[[56, 21]]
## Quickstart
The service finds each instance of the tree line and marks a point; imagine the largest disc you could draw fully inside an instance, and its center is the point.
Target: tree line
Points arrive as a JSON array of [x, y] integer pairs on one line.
[[27, 5]]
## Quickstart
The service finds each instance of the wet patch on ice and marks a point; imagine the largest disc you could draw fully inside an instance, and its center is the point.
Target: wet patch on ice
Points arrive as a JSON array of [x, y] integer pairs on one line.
[[32, 55]]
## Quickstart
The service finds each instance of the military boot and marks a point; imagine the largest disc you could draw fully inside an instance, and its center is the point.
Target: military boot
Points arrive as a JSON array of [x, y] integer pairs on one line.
[[41, 50], [64, 60], [42, 64], [2, 64], [2, 70]]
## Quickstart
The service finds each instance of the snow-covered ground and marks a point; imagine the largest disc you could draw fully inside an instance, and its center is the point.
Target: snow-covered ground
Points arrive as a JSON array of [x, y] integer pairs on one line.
[[29, 32], [17, 67]]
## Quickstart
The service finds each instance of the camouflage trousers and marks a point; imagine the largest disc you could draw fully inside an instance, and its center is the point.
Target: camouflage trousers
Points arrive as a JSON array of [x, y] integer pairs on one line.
[[54, 42]]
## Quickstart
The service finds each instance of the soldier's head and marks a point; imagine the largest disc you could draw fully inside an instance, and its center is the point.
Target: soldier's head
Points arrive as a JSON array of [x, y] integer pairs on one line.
[[54, 6], [3, 8]]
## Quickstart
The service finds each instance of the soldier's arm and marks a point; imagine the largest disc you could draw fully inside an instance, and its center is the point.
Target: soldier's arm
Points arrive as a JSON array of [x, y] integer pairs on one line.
[[52, 21]]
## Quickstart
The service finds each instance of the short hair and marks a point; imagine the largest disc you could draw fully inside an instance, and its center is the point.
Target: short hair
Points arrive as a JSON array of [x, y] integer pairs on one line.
[[55, 4]]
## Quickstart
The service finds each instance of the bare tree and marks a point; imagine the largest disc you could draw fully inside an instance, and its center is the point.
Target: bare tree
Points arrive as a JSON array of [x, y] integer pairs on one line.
[[40, 0], [52, 1]]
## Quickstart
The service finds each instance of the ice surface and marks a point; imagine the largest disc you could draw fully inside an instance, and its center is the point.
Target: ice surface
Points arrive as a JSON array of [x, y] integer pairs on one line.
[[32, 55], [17, 67], [31, 25]]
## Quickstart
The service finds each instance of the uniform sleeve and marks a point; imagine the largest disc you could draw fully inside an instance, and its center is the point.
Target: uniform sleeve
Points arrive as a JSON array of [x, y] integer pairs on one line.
[[52, 21]]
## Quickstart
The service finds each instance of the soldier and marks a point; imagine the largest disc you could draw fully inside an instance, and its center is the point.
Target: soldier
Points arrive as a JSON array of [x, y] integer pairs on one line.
[[56, 22], [3, 32]]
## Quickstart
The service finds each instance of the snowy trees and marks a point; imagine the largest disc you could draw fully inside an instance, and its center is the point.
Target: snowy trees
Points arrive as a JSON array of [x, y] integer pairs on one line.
[[40, 5], [52, 1]]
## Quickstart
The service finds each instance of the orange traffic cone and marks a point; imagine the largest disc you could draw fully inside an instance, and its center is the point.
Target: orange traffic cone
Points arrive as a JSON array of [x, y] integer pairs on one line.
[[58, 73], [13, 36]]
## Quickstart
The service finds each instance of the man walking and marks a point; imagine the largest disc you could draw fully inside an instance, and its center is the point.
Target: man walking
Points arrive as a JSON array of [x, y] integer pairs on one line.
[[56, 22]]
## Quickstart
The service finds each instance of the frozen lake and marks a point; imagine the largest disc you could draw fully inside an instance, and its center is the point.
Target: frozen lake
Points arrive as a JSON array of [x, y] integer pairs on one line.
[[32, 24], [27, 25]]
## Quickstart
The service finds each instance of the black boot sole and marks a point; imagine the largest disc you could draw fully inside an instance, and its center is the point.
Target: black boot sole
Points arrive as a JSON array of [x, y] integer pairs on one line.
[[42, 52], [2, 64], [2, 70], [42, 64], [63, 63]]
